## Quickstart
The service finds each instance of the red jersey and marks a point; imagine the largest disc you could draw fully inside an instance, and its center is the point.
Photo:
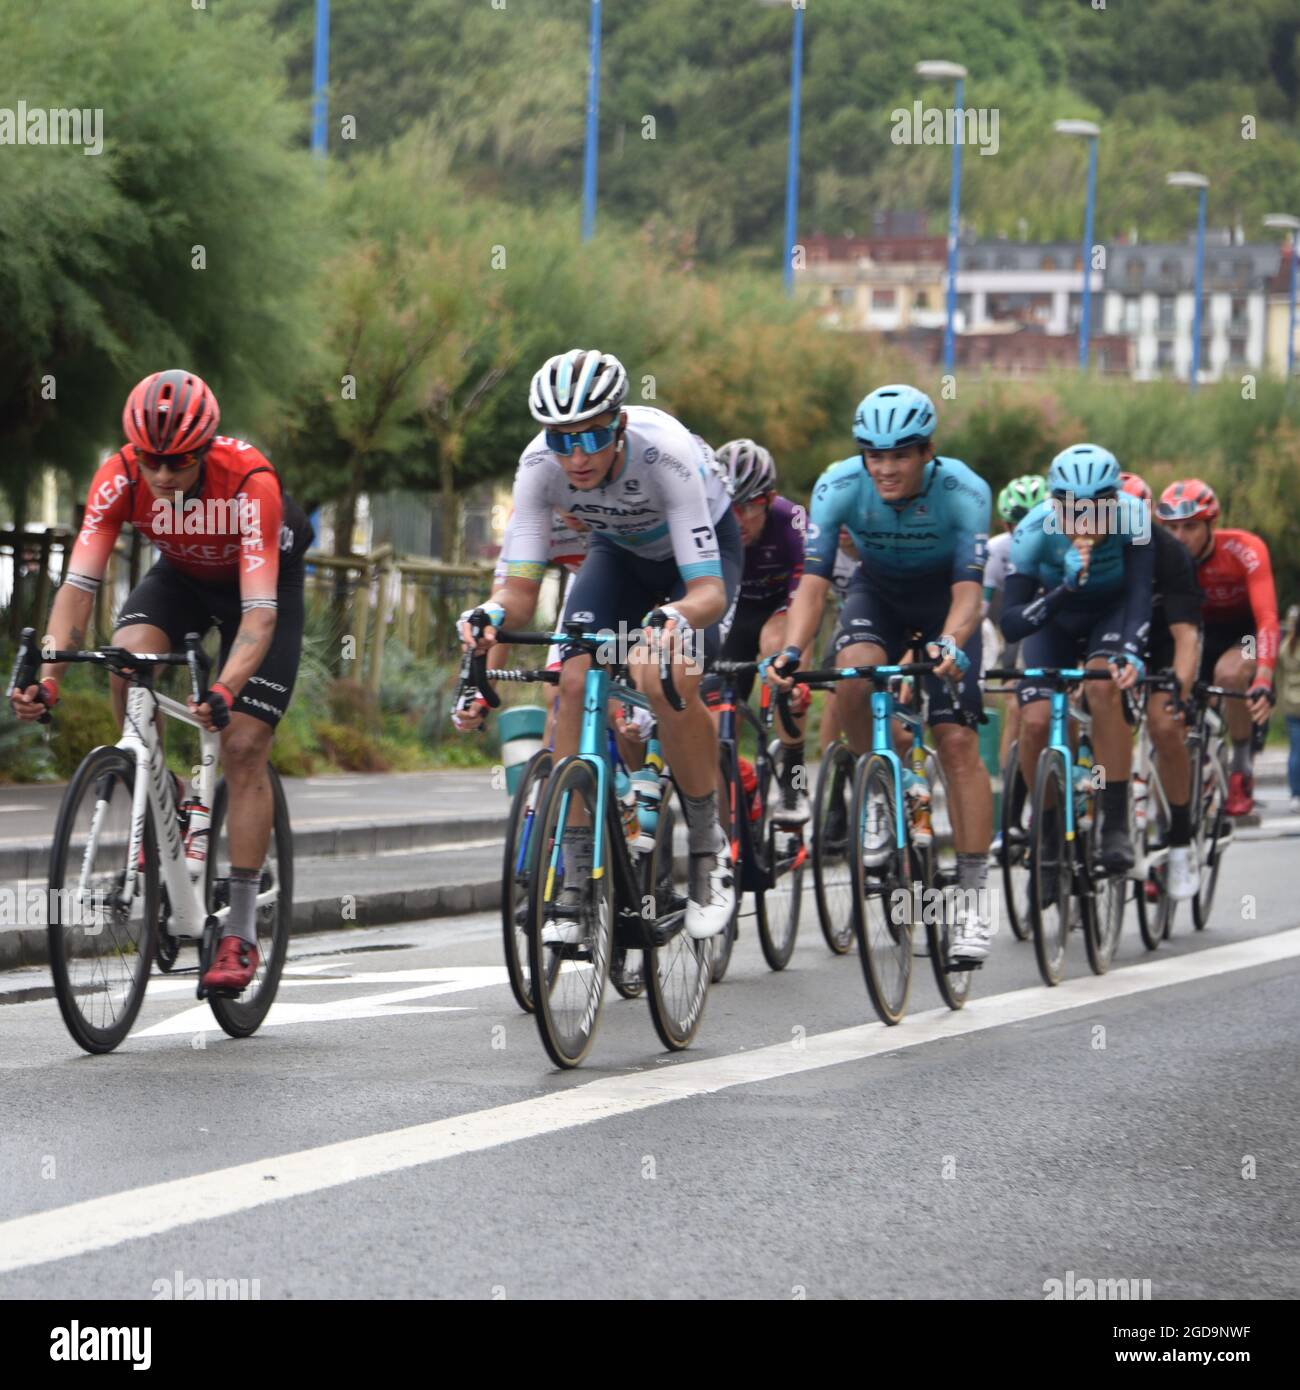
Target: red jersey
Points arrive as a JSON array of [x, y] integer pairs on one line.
[[1237, 580], [229, 529]]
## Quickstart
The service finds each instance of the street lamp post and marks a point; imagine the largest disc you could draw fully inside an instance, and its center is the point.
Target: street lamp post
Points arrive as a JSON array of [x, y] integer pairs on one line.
[[1201, 184], [1090, 132], [792, 166], [939, 71], [320, 78], [1283, 222], [593, 126]]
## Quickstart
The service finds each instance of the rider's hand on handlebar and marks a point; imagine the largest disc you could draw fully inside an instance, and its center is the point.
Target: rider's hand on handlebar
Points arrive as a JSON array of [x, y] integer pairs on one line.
[[477, 627], [1260, 700], [955, 662], [469, 713], [1127, 671], [775, 667], [30, 704]]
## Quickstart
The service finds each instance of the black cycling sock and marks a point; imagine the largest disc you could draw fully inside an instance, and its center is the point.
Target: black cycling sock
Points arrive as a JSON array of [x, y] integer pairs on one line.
[[702, 823], [1114, 802], [1180, 825], [1018, 793], [242, 921]]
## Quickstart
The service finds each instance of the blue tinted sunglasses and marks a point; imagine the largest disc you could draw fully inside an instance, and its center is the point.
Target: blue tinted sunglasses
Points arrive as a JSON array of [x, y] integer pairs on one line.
[[589, 441]]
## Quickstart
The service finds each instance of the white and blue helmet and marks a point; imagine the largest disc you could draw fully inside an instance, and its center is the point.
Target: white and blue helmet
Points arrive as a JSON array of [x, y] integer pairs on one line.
[[575, 386], [1084, 470], [892, 417]]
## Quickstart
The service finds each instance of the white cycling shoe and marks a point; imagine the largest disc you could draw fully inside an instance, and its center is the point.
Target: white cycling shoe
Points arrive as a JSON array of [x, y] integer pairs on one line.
[[564, 926], [972, 937], [714, 878], [1183, 881]]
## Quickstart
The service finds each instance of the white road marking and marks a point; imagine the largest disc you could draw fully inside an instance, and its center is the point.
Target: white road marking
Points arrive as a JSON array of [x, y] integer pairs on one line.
[[103, 1222], [5, 809]]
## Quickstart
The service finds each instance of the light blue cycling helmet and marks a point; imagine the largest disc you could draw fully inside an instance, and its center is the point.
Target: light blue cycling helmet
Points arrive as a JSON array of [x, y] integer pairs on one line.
[[1086, 470], [892, 417]]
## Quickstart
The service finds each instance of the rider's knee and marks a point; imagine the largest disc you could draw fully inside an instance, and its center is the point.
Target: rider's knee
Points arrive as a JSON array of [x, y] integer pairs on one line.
[[1035, 717], [245, 746]]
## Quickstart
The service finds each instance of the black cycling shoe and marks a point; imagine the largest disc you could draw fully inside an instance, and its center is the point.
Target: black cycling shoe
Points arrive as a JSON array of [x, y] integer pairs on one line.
[[836, 828], [1116, 849]]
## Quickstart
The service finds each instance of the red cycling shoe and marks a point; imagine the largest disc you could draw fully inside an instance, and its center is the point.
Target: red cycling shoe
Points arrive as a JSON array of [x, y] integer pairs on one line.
[[234, 967], [1241, 800]]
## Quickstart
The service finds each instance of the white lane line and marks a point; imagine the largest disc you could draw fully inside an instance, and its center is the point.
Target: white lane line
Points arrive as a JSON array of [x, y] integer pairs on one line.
[[102, 1222]]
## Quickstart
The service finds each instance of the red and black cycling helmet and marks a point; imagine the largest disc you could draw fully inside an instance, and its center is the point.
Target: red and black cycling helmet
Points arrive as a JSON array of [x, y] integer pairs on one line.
[[171, 412], [1134, 486], [1187, 499]]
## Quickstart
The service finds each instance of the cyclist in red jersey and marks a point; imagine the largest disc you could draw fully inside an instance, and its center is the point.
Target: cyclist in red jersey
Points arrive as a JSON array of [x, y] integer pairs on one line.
[[1240, 613], [232, 546]]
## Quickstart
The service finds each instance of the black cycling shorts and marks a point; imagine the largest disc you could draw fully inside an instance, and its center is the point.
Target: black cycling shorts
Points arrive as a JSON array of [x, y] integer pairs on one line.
[[178, 604], [868, 615], [1219, 638], [741, 641], [616, 587], [1070, 638]]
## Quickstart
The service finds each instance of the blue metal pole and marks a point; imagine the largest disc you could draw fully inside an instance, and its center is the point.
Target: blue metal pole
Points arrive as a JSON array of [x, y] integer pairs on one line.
[[1290, 336], [954, 225], [792, 167], [1200, 269], [593, 127], [1085, 323], [320, 78]]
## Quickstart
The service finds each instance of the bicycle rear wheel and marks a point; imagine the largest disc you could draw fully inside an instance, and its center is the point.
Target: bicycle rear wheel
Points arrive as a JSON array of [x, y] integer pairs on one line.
[[1015, 848], [517, 874], [1051, 889], [1155, 908], [242, 1017], [832, 870], [776, 909], [678, 970], [568, 1008], [101, 945], [882, 883]]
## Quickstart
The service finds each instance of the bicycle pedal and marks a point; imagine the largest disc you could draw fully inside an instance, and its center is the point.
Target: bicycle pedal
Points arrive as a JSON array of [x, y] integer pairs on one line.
[[962, 966]]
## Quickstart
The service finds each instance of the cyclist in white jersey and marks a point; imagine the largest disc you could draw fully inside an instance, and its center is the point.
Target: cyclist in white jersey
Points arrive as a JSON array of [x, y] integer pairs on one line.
[[661, 529]]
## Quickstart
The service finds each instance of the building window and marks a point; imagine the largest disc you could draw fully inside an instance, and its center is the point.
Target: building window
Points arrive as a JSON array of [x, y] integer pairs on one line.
[[1168, 269], [922, 300], [1236, 351], [1165, 322], [1133, 271], [1164, 355], [844, 296], [883, 299], [1047, 263], [1132, 314], [1239, 315]]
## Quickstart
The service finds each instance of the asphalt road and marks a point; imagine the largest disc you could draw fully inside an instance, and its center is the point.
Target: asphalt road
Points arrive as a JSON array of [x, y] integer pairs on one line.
[[396, 1130]]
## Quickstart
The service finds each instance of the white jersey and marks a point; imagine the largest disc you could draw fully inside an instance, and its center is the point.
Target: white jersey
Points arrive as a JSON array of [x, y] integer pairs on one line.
[[662, 502], [998, 564], [567, 546]]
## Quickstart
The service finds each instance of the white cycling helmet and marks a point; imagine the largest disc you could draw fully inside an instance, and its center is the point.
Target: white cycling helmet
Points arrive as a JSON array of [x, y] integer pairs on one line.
[[575, 386], [748, 468]]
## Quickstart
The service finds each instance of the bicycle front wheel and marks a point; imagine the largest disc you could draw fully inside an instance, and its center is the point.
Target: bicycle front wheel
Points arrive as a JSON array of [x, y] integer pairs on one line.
[[1213, 836], [832, 869], [882, 889], [1155, 908], [573, 908], [1103, 912], [776, 909], [242, 1017], [1015, 848], [733, 804], [517, 875], [1051, 889], [101, 943]]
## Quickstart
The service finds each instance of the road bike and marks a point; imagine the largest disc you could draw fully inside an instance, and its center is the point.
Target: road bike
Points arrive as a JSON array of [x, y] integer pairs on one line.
[[897, 881], [125, 888], [769, 856], [629, 900]]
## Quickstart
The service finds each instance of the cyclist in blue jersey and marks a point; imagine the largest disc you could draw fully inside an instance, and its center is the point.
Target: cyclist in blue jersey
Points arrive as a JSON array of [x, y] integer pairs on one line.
[[1080, 591], [664, 545], [920, 524]]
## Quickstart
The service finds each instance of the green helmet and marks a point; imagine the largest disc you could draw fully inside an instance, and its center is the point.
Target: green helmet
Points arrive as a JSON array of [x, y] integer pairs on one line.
[[1020, 496]]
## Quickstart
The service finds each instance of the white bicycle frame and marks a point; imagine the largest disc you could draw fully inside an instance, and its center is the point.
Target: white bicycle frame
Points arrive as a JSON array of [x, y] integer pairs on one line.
[[1145, 766]]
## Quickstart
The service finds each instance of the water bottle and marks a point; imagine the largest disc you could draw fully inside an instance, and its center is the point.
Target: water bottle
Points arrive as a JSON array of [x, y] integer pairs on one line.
[[196, 838], [916, 795], [626, 794], [648, 793], [1139, 804]]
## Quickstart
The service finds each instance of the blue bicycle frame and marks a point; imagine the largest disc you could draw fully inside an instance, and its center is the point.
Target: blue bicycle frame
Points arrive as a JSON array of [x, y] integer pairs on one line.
[[1058, 736]]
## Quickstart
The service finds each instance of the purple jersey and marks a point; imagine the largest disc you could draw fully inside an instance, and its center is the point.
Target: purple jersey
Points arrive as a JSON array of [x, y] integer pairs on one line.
[[774, 563]]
